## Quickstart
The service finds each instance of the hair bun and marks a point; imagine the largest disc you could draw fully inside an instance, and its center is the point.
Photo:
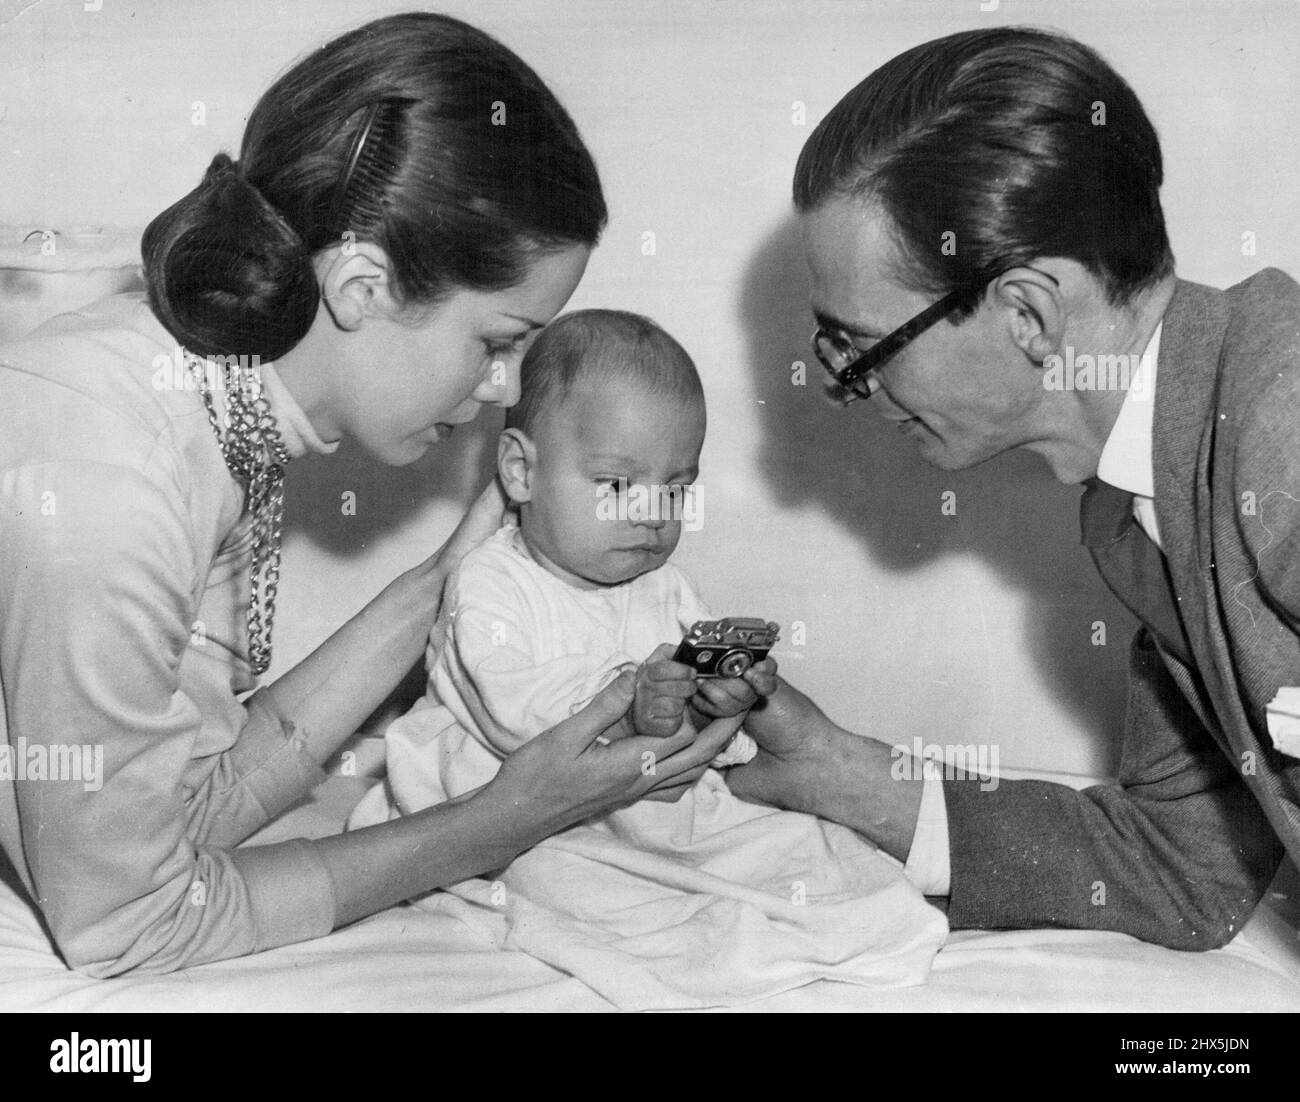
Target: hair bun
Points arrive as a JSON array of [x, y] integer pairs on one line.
[[222, 165], [227, 275]]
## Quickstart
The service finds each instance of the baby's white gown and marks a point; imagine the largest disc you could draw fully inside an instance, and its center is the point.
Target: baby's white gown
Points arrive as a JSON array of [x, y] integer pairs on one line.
[[709, 901]]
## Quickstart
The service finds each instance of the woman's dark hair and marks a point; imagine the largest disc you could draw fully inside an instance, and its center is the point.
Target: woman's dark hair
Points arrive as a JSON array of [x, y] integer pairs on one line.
[[1004, 144], [416, 132]]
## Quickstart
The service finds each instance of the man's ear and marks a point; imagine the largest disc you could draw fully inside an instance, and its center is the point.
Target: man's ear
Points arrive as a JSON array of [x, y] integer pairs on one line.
[[1037, 310], [356, 282], [516, 461]]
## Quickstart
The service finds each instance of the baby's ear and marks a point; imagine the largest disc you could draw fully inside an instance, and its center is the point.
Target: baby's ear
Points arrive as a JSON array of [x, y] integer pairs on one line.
[[516, 457]]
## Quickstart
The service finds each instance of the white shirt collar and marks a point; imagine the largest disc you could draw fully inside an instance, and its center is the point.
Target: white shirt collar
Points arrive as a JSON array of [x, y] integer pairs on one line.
[[1127, 458]]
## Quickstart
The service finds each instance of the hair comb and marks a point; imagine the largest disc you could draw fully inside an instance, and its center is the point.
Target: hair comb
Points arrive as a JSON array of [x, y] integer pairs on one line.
[[372, 164]]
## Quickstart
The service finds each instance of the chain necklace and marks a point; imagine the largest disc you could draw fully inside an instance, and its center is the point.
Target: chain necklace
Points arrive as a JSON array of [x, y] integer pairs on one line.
[[256, 454]]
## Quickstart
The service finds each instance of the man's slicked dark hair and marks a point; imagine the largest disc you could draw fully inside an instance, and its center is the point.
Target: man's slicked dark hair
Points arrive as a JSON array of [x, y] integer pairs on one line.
[[1007, 144]]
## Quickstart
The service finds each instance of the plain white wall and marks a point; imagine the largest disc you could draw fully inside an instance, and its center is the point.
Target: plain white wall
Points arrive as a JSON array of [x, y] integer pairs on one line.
[[973, 627]]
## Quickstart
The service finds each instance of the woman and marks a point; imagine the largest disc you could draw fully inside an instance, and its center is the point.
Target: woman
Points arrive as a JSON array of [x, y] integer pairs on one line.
[[410, 205]]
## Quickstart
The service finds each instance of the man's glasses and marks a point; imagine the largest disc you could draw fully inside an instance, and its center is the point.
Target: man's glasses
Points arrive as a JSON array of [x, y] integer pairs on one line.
[[855, 370]]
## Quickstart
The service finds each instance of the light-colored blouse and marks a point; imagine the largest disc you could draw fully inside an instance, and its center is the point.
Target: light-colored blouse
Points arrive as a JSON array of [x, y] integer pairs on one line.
[[124, 582]]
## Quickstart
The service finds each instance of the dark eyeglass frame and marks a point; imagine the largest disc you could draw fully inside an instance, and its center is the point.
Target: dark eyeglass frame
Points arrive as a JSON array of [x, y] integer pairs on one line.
[[857, 376]]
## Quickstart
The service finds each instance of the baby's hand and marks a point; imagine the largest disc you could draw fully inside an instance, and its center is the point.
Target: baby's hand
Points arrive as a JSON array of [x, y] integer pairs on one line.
[[662, 690], [718, 697]]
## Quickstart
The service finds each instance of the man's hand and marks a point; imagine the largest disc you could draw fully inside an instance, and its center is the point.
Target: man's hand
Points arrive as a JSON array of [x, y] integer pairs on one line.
[[662, 689], [790, 730], [719, 697]]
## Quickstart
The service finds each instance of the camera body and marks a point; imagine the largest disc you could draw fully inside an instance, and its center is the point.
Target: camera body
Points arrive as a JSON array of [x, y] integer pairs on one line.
[[726, 648]]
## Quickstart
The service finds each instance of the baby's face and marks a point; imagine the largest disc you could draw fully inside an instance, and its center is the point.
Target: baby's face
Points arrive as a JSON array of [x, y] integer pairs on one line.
[[617, 438]]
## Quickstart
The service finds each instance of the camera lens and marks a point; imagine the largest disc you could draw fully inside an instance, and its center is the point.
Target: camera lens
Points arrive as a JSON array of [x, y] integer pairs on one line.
[[734, 663]]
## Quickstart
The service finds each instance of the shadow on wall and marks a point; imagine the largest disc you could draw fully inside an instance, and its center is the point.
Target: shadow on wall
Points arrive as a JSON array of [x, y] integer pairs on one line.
[[860, 472]]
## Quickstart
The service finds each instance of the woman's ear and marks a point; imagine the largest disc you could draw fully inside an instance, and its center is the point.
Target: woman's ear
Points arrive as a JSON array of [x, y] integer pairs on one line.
[[356, 281], [516, 461]]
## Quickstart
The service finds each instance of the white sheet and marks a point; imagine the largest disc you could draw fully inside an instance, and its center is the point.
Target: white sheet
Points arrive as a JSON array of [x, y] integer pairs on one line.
[[656, 926], [708, 901], [409, 959]]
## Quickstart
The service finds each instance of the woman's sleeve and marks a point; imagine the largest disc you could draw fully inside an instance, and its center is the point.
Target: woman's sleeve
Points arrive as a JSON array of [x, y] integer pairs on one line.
[[97, 592]]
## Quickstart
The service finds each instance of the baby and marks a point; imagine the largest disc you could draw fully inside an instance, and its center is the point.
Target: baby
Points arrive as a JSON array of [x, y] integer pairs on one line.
[[705, 901], [599, 458]]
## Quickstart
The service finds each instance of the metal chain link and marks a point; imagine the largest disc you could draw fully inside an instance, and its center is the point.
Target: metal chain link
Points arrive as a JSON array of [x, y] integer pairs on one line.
[[256, 455]]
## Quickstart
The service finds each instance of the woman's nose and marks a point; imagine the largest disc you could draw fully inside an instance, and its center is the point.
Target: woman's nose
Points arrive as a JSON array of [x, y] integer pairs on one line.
[[500, 386]]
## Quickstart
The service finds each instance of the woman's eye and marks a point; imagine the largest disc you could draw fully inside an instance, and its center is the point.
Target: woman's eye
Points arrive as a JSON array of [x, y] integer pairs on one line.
[[609, 486], [504, 348]]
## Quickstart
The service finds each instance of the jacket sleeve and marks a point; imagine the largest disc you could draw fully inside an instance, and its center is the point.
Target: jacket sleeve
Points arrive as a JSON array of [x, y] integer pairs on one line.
[[97, 588], [1177, 853]]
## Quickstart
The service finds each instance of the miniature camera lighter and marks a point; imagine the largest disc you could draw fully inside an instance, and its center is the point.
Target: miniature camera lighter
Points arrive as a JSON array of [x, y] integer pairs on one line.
[[727, 648]]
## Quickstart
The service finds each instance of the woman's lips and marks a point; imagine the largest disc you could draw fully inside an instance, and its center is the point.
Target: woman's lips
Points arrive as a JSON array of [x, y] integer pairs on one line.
[[443, 429]]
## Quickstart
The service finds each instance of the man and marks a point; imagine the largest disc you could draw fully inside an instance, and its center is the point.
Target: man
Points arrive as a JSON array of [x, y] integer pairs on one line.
[[980, 214]]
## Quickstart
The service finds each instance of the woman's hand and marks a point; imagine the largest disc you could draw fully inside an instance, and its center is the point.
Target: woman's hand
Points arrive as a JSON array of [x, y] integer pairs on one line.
[[587, 765], [484, 516], [577, 769]]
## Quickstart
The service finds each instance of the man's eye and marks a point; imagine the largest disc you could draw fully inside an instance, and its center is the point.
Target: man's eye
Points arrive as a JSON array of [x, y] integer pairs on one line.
[[607, 486]]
